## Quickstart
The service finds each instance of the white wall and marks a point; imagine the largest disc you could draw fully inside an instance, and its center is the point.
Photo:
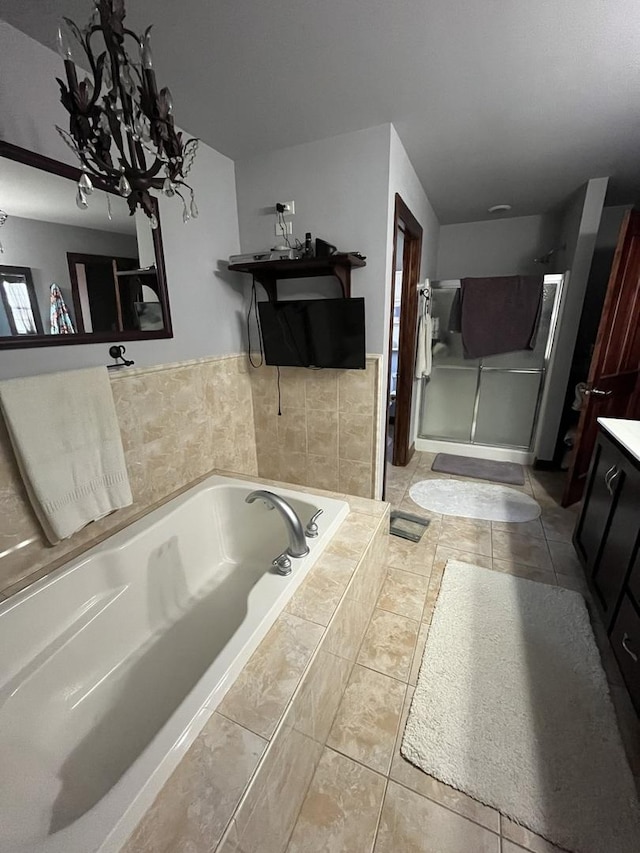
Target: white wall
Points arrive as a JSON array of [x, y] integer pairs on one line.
[[404, 181], [344, 190], [496, 246], [206, 303], [610, 224], [579, 228], [43, 247], [340, 188]]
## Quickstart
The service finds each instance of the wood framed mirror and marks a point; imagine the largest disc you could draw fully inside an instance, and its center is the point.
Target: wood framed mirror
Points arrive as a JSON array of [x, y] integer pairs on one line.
[[72, 276]]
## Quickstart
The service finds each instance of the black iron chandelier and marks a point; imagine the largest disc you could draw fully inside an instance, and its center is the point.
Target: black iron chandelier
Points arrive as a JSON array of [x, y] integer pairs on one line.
[[121, 126]]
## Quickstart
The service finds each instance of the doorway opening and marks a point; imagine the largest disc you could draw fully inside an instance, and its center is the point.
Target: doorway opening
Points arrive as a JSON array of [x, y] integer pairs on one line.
[[407, 251]]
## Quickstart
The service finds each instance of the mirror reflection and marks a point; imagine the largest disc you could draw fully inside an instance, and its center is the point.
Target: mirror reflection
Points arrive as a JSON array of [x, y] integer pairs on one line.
[[75, 275]]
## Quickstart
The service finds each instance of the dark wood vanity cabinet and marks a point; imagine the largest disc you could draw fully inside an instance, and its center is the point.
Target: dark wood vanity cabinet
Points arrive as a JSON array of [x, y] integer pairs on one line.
[[607, 539]]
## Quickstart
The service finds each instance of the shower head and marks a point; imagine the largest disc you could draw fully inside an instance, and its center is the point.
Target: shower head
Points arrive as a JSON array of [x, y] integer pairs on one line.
[[546, 258]]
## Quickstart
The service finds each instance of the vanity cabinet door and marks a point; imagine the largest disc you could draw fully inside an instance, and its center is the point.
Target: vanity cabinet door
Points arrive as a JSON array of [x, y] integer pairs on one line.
[[625, 640], [619, 546], [598, 504]]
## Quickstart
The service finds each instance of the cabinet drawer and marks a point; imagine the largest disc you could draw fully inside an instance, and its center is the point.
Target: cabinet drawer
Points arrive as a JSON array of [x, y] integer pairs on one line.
[[625, 639]]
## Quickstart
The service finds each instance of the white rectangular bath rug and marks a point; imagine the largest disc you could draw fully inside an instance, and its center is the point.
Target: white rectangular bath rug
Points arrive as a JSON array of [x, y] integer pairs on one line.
[[512, 707]]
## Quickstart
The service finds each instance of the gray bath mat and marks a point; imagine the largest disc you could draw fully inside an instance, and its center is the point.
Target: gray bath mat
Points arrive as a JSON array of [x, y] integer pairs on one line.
[[481, 469]]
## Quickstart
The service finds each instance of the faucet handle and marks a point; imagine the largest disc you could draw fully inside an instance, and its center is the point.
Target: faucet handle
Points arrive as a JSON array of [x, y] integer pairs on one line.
[[311, 530], [282, 564]]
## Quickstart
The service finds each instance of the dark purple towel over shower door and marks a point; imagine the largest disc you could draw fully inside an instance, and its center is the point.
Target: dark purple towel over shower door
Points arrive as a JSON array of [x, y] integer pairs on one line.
[[500, 314]]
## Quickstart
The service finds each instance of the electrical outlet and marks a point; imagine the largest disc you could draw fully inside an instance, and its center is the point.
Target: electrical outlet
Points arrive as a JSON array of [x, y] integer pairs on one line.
[[289, 208], [278, 229]]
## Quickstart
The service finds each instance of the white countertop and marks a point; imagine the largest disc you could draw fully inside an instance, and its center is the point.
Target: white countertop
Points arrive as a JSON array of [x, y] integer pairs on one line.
[[625, 432]]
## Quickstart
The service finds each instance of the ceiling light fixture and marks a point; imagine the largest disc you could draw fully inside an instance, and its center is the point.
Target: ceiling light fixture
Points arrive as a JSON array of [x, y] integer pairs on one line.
[[500, 208], [118, 112]]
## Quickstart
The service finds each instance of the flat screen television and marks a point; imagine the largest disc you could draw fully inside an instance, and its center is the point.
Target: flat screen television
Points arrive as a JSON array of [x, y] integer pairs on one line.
[[314, 333]]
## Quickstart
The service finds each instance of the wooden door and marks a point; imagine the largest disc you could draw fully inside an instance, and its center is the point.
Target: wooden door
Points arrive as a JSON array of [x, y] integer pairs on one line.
[[412, 253], [613, 386]]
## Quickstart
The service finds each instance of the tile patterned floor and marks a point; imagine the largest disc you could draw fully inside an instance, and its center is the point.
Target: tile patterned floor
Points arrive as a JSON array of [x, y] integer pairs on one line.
[[364, 797]]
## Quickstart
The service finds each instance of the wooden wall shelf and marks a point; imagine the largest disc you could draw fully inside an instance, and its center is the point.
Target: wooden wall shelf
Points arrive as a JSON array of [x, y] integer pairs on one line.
[[268, 273]]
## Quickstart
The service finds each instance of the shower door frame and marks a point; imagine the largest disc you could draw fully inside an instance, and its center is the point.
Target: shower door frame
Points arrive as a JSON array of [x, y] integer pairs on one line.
[[558, 280]]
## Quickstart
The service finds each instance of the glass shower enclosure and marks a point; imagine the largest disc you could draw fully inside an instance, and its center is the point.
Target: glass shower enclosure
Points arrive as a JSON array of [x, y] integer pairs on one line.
[[493, 401]]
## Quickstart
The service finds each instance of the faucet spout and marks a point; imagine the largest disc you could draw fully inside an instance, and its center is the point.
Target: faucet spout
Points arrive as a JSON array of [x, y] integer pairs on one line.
[[297, 542]]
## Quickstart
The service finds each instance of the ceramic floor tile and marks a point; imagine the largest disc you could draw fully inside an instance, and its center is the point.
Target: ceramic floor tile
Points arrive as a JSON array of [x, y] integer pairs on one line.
[[444, 554], [411, 556], [366, 724], [466, 535], [513, 834], [565, 560], [529, 572], [413, 824], [522, 528], [403, 593], [406, 774], [419, 651], [558, 523], [341, 809], [389, 643], [526, 550]]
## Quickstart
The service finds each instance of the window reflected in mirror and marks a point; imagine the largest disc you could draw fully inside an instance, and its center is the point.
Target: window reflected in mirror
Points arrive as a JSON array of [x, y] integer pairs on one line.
[[70, 275]]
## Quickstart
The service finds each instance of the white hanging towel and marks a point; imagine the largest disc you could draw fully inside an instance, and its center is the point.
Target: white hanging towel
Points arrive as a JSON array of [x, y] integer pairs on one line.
[[425, 336], [66, 438]]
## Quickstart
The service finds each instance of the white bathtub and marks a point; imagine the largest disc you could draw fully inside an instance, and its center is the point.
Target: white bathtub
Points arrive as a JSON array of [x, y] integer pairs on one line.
[[110, 666]]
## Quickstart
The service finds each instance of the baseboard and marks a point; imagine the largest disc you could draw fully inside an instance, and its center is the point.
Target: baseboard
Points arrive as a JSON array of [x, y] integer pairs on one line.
[[475, 451]]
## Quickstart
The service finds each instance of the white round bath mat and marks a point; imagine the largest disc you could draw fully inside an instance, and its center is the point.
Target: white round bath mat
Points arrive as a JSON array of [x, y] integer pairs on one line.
[[474, 500]]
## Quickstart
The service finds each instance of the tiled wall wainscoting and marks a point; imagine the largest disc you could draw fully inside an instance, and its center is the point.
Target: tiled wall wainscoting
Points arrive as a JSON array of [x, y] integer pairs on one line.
[[178, 422], [326, 434], [243, 781]]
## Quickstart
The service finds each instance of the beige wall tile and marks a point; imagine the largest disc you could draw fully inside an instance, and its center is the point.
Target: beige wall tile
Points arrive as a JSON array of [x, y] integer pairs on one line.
[[322, 471], [366, 724], [265, 686], [355, 478], [356, 389], [292, 430], [341, 809], [355, 437], [177, 422], [389, 643], [316, 703], [347, 629], [197, 802], [322, 433], [414, 824], [319, 595], [353, 536], [270, 807], [321, 390]]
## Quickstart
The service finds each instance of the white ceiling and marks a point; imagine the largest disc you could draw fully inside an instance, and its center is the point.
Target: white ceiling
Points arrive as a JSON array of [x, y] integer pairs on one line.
[[495, 100], [35, 194]]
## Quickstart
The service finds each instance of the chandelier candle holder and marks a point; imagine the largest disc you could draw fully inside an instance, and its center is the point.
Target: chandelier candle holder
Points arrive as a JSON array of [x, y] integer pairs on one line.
[[121, 127]]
